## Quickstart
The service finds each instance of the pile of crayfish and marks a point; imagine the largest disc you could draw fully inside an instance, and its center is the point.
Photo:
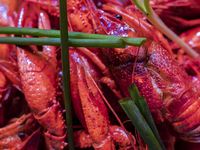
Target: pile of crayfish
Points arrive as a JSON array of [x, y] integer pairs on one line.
[[31, 93]]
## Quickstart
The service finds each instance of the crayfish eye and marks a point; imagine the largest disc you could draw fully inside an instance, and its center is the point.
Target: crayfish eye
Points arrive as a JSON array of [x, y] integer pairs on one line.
[[21, 135], [99, 5], [95, 31], [119, 17]]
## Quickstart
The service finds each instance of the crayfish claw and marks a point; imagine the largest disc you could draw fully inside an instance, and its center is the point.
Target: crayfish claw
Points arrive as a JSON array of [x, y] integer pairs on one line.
[[54, 142], [40, 94], [105, 144], [119, 136], [82, 139], [50, 120]]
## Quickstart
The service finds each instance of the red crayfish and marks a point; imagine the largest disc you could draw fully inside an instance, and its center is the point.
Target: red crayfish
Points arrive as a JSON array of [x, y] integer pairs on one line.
[[171, 93]]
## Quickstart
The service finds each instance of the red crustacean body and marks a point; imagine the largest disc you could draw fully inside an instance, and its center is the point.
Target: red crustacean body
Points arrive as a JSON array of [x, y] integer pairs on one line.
[[22, 133], [170, 92], [191, 37], [8, 68], [88, 101], [159, 78], [38, 84], [90, 107], [38, 78], [9, 77], [178, 15]]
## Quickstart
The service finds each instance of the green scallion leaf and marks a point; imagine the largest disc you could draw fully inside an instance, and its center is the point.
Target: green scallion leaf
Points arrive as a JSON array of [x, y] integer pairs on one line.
[[140, 123], [76, 39], [141, 103], [111, 43], [135, 95], [149, 119], [65, 69]]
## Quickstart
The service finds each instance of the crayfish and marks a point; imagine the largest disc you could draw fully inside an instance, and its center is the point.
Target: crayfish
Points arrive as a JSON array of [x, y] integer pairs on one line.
[[31, 78]]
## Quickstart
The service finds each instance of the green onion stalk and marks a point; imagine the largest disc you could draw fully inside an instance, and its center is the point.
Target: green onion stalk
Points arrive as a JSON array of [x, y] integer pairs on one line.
[[75, 39], [64, 42], [138, 112], [148, 12]]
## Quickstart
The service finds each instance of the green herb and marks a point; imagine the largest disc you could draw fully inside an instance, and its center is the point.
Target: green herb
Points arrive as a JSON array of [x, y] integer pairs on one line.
[[141, 118], [66, 72], [76, 39], [146, 9]]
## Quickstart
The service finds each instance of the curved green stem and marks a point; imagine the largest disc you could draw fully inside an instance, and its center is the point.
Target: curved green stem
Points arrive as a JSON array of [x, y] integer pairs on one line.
[[111, 43], [158, 23], [140, 6], [76, 39], [140, 123]]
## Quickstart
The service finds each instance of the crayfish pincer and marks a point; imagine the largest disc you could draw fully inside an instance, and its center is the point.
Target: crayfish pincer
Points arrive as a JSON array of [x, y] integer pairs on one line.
[[171, 96], [38, 78]]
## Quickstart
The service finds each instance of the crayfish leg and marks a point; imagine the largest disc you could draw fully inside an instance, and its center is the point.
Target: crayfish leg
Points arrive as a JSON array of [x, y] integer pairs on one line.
[[120, 138], [44, 23], [95, 112], [16, 134]]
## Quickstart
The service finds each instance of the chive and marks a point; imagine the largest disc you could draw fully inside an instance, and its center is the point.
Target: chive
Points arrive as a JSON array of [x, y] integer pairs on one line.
[[30, 31], [144, 109], [112, 43], [148, 7], [148, 117], [134, 41], [30, 41], [140, 6], [66, 73], [72, 35], [140, 123], [135, 95], [128, 40]]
